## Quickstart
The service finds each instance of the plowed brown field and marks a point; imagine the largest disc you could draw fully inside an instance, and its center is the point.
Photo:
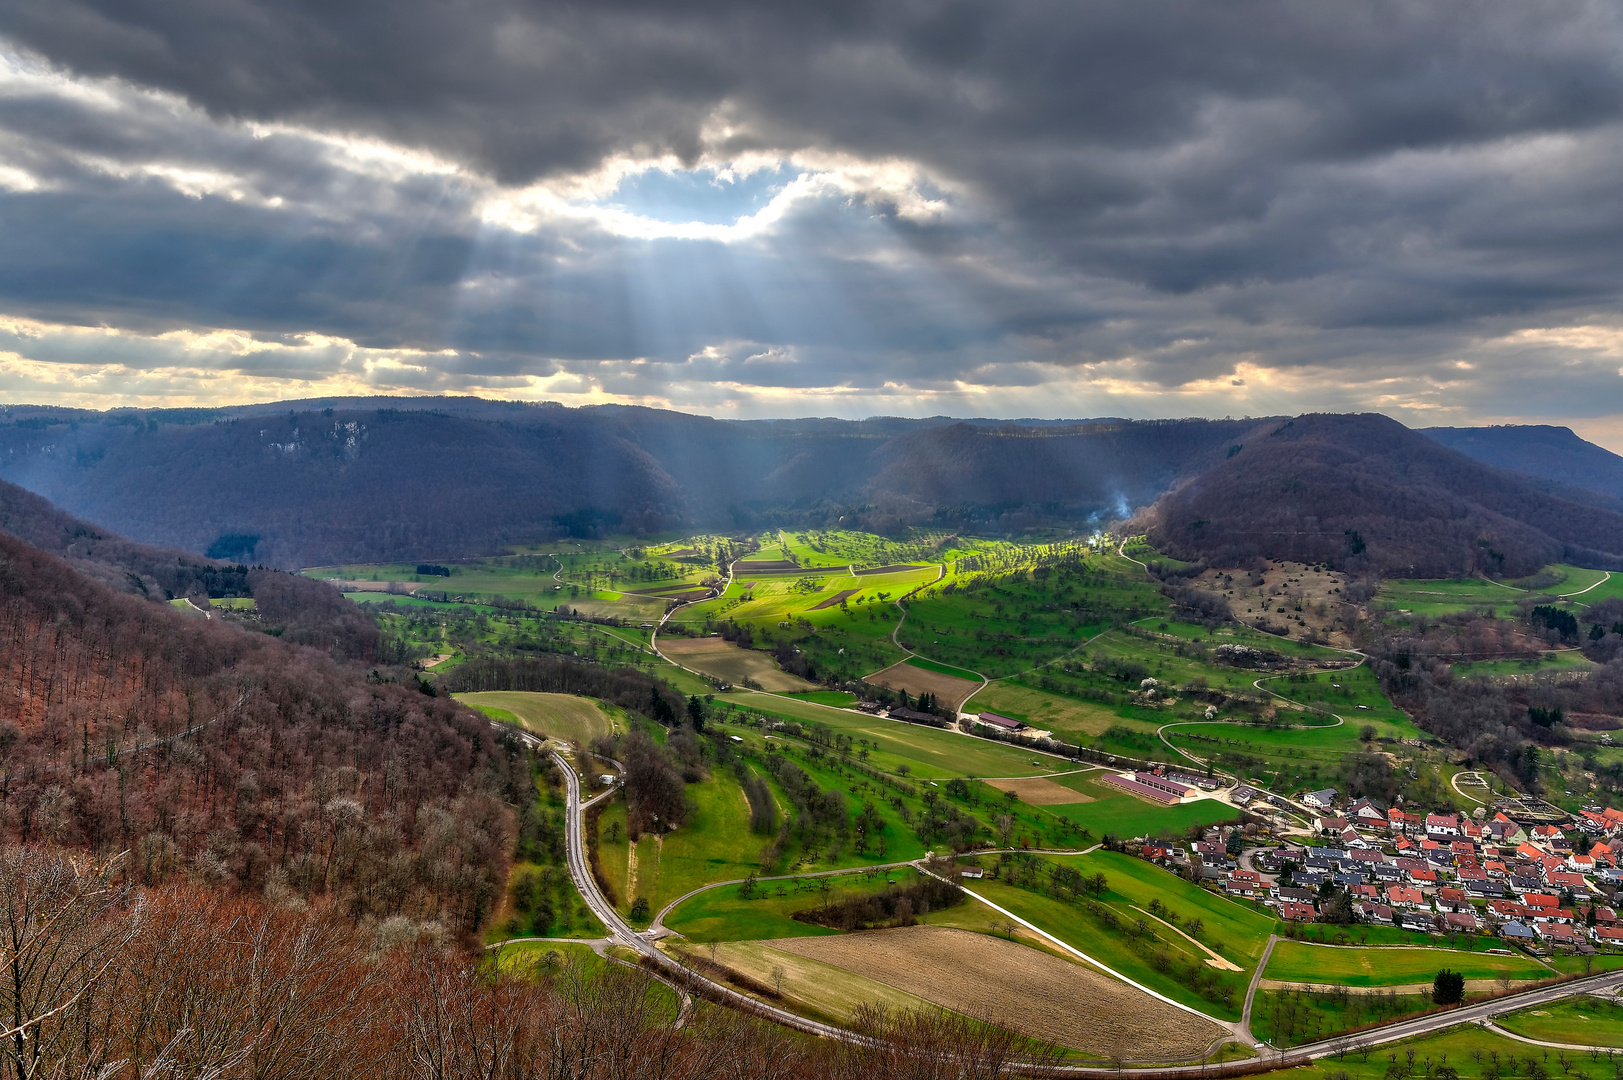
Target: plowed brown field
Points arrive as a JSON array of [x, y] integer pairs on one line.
[[949, 690], [1019, 987], [724, 660], [1041, 791]]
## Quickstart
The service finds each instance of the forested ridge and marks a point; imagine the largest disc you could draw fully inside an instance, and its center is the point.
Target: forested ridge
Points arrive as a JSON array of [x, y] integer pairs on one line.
[[208, 751], [1367, 494]]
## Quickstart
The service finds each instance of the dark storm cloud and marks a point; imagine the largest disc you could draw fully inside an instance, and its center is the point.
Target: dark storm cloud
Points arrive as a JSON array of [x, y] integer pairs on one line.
[[1148, 193]]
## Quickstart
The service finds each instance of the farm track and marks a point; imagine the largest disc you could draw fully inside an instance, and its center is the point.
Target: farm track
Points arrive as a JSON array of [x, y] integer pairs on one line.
[[1251, 990]]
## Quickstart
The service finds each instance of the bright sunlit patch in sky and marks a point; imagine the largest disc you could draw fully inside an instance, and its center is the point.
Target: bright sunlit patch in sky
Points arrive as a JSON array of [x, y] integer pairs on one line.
[[704, 196]]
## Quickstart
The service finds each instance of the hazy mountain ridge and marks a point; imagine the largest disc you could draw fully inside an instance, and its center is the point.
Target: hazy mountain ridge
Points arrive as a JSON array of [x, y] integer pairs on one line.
[[425, 481], [1550, 453]]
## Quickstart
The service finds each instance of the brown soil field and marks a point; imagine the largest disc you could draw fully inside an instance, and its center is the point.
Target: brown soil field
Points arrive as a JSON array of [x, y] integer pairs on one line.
[[723, 660], [765, 564], [834, 600], [405, 587], [688, 592], [1041, 791], [1019, 987], [949, 690], [896, 569]]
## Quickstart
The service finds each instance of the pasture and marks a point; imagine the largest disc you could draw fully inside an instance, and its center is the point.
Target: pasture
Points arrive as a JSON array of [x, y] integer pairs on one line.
[[724, 914], [565, 717], [1466, 1048], [1297, 962], [1587, 1020], [1234, 930], [1120, 948]]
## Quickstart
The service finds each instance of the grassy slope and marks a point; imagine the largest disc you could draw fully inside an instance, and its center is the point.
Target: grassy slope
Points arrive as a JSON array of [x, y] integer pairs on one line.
[[559, 716], [1590, 1021], [1068, 923], [1231, 929]]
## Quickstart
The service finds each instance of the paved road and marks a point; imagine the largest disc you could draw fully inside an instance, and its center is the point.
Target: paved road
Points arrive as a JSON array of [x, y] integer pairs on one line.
[[1425, 1025]]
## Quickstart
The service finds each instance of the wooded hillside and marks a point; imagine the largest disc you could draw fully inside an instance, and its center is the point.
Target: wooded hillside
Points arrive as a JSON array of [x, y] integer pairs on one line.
[[1366, 492], [237, 757]]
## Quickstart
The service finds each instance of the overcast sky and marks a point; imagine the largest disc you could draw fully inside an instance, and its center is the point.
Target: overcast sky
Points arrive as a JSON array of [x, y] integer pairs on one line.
[[1015, 209]]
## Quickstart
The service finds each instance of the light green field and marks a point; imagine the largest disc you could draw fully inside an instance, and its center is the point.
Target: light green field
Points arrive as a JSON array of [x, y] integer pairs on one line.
[[1589, 1021], [836, 699], [1560, 660], [539, 959], [942, 669], [1444, 597], [234, 603], [1234, 930], [1447, 597], [1293, 961], [573, 719], [931, 753], [1119, 814]]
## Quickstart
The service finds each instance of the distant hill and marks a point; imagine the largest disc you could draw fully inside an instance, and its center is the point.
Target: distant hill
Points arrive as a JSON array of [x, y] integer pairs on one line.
[[1551, 453], [300, 609], [411, 479], [1364, 491]]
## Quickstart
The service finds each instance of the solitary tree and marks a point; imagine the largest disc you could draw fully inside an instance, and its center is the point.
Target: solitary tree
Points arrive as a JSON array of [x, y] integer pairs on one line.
[[1448, 988]]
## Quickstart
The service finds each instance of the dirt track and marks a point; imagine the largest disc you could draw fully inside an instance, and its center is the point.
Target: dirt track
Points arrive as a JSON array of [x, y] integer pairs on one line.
[[1019, 987]]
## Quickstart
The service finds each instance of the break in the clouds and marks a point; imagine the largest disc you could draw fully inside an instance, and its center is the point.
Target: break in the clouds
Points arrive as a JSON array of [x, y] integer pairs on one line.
[[1134, 208]]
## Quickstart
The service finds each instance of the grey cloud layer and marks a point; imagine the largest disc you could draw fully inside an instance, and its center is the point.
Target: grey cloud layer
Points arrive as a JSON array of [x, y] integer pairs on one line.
[[1144, 193]]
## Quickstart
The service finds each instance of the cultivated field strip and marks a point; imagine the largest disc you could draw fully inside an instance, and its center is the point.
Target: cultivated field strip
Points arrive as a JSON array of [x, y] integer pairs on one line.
[[1029, 991]]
